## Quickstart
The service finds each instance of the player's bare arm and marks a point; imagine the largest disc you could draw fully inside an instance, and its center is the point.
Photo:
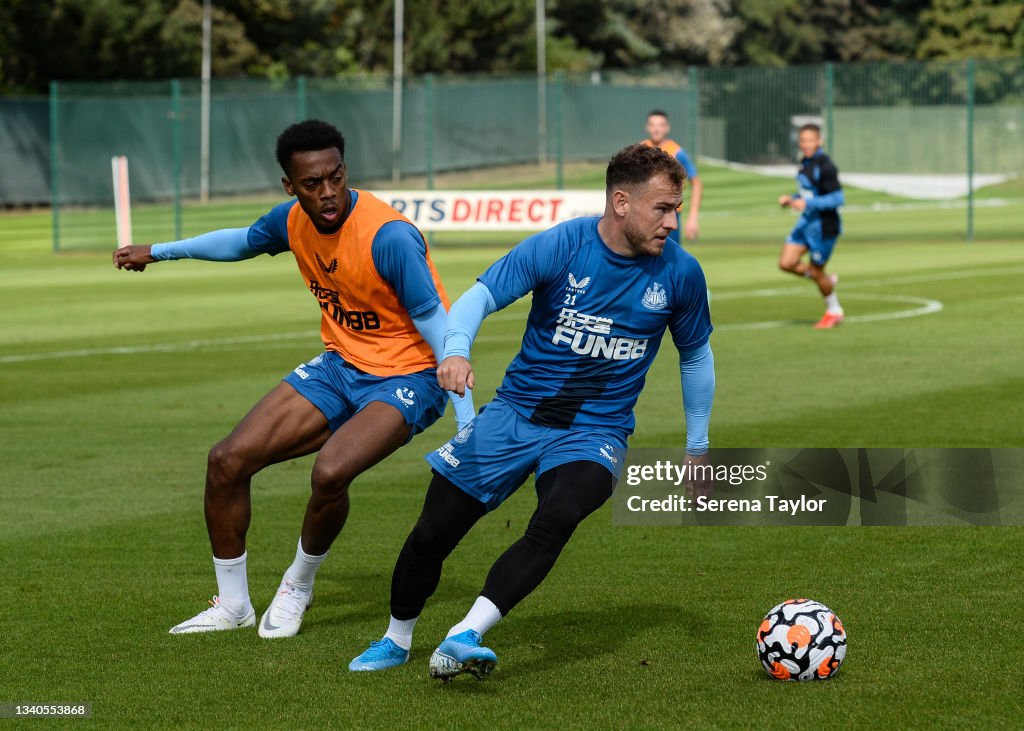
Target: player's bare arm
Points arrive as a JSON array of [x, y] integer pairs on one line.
[[691, 229]]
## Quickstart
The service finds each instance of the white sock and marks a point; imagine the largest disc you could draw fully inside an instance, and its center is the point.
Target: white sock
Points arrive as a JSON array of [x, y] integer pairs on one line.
[[232, 584], [481, 618], [400, 632], [832, 304], [303, 568]]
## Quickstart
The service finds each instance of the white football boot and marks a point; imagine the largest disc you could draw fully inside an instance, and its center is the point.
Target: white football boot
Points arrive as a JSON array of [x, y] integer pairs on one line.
[[283, 617], [216, 618]]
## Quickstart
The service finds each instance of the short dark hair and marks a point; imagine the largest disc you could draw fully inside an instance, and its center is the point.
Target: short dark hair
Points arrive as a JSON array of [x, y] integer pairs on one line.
[[816, 128], [635, 165], [308, 136], [657, 113]]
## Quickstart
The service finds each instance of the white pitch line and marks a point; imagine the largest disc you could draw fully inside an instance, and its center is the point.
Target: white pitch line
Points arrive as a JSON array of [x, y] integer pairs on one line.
[[925, 306], [156, 347], [509, 316], [844, 287], [949, 276], [893, 207]]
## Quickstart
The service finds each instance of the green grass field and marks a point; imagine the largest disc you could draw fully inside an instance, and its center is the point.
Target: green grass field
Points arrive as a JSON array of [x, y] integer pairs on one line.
[[113, 386]]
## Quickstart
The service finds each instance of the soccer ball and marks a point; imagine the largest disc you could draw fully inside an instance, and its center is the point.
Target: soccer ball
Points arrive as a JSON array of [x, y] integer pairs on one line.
[[801, 639]]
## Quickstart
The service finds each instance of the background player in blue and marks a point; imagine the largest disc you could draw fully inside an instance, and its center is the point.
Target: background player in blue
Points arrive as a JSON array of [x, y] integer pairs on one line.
[[818, 201], [604, 291], [657, 136]]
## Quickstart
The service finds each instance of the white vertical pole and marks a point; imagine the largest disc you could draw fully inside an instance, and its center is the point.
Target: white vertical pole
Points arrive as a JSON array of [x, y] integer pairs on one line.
[[542, 83], [204, 113], [122, 200], [396, 104]]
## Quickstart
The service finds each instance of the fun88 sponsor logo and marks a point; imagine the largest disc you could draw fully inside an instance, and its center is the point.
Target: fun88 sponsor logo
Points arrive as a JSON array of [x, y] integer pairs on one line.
[[586, 335]]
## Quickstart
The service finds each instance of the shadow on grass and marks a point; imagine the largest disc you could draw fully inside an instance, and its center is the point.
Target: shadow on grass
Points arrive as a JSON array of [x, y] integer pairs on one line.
[[550, 642], [347, 598]]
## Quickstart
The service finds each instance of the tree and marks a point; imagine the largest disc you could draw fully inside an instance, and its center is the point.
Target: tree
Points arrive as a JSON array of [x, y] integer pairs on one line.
[[974, 29], [631, 33], [113, 39], [159, 39], [776, 32]]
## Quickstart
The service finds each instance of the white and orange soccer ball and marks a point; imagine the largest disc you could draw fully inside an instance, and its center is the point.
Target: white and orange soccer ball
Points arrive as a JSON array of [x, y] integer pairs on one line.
[[801, 639]]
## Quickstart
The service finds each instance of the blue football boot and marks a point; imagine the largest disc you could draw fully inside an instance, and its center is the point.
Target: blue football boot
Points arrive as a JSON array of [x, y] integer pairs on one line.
[[380, 655], [462, 653]]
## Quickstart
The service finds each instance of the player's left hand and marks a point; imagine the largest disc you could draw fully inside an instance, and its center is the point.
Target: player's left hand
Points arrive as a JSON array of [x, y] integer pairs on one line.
[[704, 484], [690, 230], [133, 258], [798, 204]]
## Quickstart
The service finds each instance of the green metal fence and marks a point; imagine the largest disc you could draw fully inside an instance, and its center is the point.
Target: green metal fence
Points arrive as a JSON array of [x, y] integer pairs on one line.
[[940, 119]]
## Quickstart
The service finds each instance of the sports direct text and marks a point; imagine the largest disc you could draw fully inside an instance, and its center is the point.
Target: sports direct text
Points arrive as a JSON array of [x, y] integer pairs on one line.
[[499, 210]]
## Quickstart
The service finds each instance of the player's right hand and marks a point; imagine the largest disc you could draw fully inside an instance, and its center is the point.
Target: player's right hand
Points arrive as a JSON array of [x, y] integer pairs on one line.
[[455, 374], [134, 258], [785, 200], [701, 483]]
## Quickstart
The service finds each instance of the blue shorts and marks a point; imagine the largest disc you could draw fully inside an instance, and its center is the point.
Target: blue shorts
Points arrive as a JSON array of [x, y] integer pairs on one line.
[[493, 456], [341, 390], [808, 234]]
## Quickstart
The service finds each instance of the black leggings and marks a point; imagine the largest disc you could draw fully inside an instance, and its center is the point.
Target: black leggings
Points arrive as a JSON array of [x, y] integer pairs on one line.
[[565, 496]]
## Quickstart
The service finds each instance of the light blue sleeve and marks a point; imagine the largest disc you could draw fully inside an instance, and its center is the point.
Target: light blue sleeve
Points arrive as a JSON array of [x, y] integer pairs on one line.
[[229, 244], [687, 163], [431, 325], [697, 370], [827, 202], [465, 318], [400, 257]]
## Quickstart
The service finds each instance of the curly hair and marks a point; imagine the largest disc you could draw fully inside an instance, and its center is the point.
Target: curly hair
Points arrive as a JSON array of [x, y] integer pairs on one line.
[[308, 136], [635, 165]]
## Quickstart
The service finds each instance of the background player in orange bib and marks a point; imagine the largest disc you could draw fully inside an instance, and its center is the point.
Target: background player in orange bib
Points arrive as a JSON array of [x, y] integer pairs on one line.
[[657, 136], [375, 386]]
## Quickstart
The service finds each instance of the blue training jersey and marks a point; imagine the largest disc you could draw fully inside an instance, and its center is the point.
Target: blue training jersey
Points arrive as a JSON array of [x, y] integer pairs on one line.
[[595, 325], [818, 184]]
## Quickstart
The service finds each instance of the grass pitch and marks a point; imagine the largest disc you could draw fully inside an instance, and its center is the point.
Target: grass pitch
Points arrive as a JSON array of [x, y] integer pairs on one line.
[[114, 385]]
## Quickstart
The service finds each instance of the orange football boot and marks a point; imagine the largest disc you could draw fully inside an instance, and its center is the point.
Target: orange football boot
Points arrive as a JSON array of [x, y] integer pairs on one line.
[[829, 320]]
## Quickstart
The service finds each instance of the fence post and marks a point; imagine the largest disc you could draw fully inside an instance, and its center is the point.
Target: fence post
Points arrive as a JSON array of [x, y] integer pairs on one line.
[[54, 166], [300, 98], [694, 111], [829, 105], [428, 128], [970, 149], [559, 129], [177, 151], [428, 142]]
